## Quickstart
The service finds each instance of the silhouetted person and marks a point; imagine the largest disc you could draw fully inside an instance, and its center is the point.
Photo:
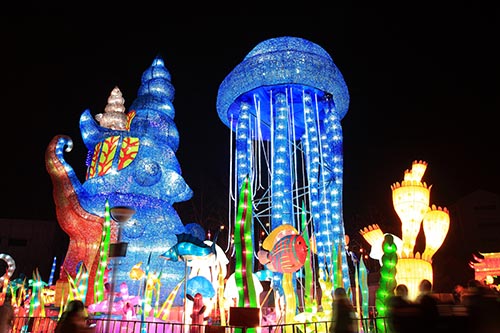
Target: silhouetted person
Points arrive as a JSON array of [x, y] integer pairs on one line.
[[74, 319], [6, 315], [428, 315], [458, 291], [343, 317], [483, 308], [402, 313]]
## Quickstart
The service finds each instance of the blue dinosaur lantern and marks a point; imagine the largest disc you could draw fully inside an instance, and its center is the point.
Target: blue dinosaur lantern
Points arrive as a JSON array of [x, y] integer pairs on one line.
[[131, 162]]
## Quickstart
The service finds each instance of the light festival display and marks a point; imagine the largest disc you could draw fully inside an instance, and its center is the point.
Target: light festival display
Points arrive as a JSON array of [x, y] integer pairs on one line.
[[284, 103]]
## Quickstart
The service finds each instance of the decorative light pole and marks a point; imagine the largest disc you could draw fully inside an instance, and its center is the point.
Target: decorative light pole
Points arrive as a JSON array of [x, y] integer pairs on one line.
[[119, 214]]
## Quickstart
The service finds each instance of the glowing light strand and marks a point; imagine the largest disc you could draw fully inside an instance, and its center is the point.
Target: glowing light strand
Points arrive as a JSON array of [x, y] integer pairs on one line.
[[103, 256]]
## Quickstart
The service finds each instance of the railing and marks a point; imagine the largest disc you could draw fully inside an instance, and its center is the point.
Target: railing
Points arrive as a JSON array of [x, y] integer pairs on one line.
[[103, 325], [452, 321]]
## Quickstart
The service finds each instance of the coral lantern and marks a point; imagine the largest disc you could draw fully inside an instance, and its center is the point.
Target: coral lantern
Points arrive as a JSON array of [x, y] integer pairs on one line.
[[411, 203]]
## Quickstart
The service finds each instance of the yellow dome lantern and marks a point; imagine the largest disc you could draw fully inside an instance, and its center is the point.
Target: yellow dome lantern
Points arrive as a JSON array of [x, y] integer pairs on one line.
[[411, 271]]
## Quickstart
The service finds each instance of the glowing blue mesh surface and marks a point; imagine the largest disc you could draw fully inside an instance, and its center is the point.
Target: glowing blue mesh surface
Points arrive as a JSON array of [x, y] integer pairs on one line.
[[304, 159], [150, 184]]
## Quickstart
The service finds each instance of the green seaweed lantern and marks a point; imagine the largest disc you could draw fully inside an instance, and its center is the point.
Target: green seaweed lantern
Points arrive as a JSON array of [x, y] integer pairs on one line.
[[103, 256], [243, 273], [309, 300], [387, 280], [244, 249], [363, 283]]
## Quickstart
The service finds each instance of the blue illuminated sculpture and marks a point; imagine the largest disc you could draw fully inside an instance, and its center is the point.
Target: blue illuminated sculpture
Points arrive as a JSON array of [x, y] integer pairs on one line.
[[131, 163], [284, 103]]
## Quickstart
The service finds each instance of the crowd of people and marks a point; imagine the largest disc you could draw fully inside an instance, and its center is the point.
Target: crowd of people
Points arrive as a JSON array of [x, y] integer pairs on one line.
[[410, 316], [74, 319], [481, 305], [482, 315], [480, 302], [404, 316]]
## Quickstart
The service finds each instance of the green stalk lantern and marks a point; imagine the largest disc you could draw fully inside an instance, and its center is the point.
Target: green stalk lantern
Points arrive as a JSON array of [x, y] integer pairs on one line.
[[363, 284], [387, 279], [103, 257], [244, 249], [309, 301]]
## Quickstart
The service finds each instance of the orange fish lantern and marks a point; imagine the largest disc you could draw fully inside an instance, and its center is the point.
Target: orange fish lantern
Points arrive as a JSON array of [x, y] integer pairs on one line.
[[287, 255], [136, 272]]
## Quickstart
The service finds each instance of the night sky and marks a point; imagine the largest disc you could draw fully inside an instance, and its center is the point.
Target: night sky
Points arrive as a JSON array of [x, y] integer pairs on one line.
[[423, 86]]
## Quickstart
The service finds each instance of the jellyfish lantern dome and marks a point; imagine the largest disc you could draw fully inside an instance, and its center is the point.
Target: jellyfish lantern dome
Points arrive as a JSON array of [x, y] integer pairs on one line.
[[284, 103]]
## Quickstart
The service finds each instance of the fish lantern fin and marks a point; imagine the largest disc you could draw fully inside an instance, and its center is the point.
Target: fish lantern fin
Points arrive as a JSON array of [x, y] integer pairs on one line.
[[213, 247], [263, 257], [170, 254]]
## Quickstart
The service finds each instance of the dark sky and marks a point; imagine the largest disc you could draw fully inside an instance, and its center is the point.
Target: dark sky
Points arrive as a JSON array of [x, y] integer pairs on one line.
[[423, 86]]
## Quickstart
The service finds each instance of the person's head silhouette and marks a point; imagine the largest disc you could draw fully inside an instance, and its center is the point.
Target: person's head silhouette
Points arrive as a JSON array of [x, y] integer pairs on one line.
[[401, 290], [425, 286]]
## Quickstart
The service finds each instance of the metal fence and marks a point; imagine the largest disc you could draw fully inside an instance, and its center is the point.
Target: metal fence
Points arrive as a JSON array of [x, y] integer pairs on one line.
[[449, 322], [103, 325]]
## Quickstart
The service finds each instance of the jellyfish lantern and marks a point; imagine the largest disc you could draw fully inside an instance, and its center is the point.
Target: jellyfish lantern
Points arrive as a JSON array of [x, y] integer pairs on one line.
[[284, 103]]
